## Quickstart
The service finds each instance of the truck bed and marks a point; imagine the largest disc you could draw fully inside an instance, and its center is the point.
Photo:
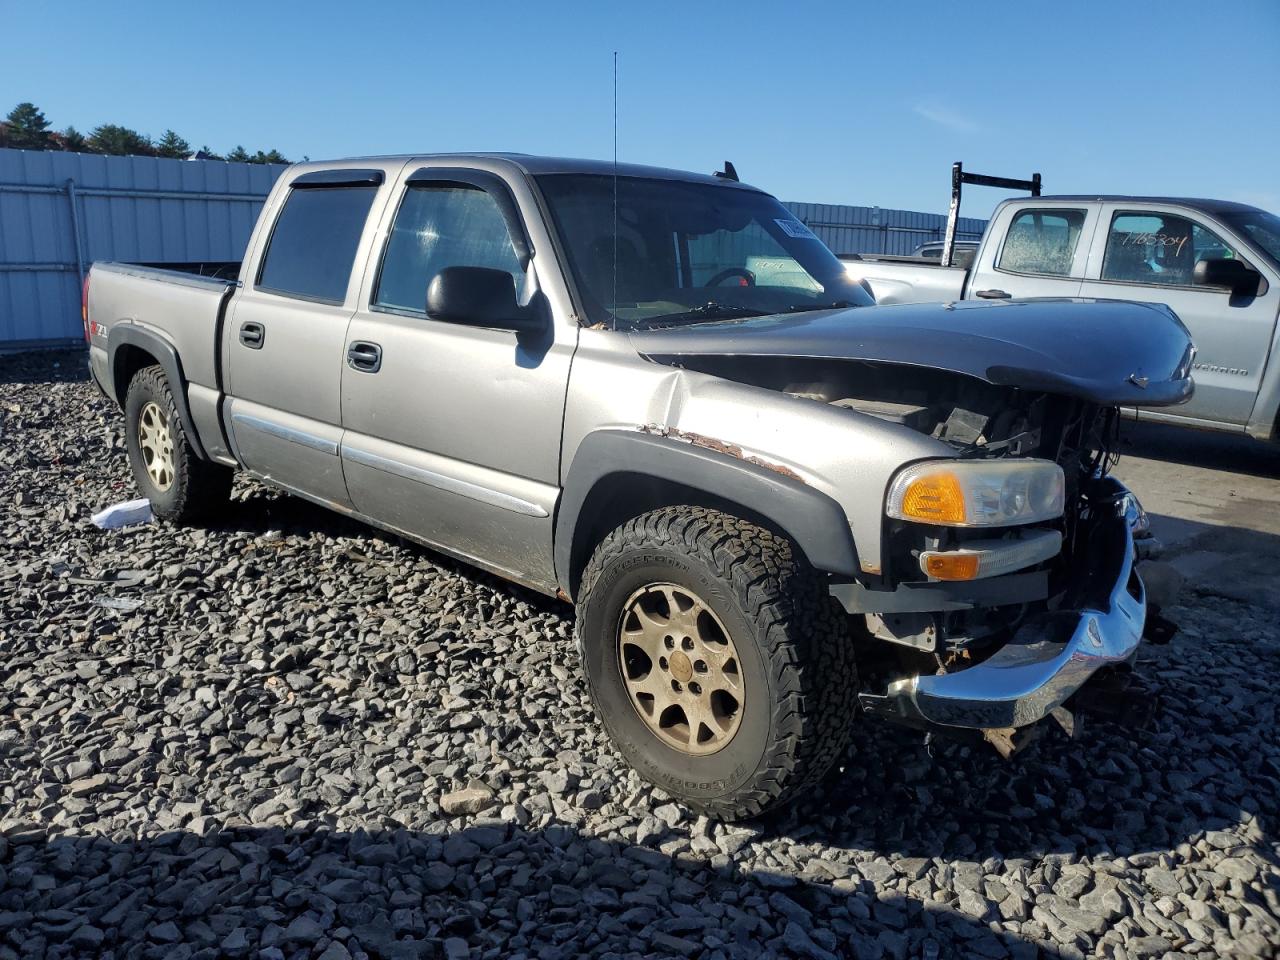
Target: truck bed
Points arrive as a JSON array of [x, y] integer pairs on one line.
[[181, 306], [909, 279]]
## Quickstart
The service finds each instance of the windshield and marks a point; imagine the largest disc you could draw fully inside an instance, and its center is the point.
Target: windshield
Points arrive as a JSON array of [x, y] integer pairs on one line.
[[1262, 228], [687, 252]]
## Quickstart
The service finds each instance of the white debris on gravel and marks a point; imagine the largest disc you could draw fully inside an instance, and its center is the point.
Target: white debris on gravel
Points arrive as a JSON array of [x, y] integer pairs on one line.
[[124, 514], [310, 740]]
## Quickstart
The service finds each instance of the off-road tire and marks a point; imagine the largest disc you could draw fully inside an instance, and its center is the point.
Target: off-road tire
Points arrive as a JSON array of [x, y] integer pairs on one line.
[[199, 487], [797, 657]]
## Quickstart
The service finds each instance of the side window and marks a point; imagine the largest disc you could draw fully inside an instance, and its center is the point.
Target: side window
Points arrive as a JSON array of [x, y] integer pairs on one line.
[[436, 227], [313, 245], [1042, 242], [1159, 248]]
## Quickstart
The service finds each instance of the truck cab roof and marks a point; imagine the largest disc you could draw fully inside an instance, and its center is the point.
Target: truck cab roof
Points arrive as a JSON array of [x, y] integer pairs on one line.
[[1195, 203], [534, 165]]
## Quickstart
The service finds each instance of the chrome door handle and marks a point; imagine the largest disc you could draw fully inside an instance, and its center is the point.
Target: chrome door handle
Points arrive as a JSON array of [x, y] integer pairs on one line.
[[364, 356]]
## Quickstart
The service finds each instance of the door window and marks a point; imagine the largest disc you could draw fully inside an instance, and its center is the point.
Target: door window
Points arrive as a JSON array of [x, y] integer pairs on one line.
[[1042, 242], [437, 227], [313, 246], [1159, 248]]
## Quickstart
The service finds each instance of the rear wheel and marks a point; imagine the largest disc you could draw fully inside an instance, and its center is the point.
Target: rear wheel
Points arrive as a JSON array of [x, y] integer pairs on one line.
[[716, 660], [181, 486]]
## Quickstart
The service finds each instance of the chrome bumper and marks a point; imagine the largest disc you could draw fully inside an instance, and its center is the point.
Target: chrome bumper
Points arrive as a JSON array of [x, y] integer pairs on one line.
[[1047, 660]]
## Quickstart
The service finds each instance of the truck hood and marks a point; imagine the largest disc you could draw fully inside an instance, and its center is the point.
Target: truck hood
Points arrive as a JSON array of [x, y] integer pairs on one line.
[[1107, 352]]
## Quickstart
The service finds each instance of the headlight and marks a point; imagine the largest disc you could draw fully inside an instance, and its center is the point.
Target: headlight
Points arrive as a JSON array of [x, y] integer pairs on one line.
[[978, 493]]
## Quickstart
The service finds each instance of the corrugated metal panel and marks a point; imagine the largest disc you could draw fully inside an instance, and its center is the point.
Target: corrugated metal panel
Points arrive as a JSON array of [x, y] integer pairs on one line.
[[847, 229], [129, 208]]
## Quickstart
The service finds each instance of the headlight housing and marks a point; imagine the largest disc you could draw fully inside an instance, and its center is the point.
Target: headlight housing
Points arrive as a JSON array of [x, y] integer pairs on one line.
[[978, 493]]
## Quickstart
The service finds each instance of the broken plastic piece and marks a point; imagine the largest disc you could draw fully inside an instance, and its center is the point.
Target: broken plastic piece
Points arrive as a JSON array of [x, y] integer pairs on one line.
[[1067, 720], [123, 514], [1010, 740]]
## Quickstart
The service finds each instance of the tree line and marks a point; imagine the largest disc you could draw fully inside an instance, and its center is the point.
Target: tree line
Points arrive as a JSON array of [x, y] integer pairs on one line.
[[25, 128]]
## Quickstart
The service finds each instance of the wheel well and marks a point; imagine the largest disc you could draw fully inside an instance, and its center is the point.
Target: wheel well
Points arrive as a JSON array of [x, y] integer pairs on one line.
[[129, 359], [626, 495]]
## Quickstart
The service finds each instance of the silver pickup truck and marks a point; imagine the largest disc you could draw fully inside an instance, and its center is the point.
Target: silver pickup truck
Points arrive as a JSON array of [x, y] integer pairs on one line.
[[1215, 263], [659, 396]]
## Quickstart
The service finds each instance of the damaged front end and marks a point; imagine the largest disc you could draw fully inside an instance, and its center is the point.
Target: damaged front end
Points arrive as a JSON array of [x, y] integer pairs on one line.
[[994, 626], [1096, 622], [1002, 578]]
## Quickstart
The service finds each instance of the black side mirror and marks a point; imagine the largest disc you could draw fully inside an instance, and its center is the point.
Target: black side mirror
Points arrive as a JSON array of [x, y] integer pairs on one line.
[[479, 297], [1237, 276]]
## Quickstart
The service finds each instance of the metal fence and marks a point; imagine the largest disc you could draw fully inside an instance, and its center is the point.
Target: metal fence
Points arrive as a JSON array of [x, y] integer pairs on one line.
[[61, 211], [877, 230]]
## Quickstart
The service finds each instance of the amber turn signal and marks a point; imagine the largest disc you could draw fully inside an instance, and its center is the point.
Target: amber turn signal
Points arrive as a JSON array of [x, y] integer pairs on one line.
[[934, 498], [954, 566]]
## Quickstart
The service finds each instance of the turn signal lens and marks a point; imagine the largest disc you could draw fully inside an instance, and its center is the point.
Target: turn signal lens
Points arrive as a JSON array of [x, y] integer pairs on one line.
[[934, 498], [958, 566], [978, 493]]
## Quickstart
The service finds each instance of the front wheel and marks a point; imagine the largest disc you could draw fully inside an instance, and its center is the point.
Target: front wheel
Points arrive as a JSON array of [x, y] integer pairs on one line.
[[181, 486], [717, 662]]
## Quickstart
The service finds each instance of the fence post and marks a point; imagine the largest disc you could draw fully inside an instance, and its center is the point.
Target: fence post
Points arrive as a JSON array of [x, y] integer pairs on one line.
[[75, 228]]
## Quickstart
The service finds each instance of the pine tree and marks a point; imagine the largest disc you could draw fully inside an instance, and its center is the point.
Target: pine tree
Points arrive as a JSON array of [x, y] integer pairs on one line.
[[26, 128], [73, 141], [172, 145], [239, 155], [119, 141]]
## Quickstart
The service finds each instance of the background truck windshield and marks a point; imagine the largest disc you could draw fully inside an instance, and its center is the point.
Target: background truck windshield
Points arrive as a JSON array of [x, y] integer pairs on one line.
[[689, 251], [1262, 228]]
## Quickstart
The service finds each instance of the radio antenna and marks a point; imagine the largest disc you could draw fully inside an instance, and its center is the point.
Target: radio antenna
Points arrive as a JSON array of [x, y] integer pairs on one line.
[[614, 310]]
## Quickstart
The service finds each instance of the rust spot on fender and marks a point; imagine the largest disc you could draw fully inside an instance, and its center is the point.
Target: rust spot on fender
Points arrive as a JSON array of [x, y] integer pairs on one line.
[[720, 446]]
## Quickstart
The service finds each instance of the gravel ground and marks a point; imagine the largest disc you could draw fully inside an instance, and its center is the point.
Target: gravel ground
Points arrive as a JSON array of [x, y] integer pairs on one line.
[[292, 736]]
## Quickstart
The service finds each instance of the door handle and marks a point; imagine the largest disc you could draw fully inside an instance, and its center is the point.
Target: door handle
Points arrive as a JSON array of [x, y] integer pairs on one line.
[[364, 356], [991, 294], [253, 335]]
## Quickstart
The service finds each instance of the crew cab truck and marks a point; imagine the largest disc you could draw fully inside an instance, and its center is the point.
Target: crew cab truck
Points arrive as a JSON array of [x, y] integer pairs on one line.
[[657, 395], [1215, 263]]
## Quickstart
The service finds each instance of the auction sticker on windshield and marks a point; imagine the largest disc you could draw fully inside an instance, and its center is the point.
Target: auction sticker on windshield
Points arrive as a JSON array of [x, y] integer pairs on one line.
[[794, 228]]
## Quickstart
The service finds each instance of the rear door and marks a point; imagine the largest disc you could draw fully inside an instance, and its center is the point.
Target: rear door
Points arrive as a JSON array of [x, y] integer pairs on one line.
[[286, 336], [1148, 252], [1034, 251], [453, 432]]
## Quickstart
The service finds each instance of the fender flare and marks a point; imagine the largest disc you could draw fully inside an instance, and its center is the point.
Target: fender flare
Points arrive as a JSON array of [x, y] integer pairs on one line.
[[129, 334], [815, 521]]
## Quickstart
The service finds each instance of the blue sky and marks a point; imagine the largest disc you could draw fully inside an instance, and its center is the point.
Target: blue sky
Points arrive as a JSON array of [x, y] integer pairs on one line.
[[865, 103]]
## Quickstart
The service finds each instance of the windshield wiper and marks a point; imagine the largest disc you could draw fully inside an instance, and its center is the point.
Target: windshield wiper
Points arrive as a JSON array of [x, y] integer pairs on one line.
[[711, 310]]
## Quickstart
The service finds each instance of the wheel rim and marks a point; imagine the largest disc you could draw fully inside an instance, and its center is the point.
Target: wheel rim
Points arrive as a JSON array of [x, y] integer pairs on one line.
[[156, 443], [680, 668]]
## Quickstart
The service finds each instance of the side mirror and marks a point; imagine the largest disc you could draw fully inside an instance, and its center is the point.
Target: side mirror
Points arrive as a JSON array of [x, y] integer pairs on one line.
[[1238, 277], [479, 297]]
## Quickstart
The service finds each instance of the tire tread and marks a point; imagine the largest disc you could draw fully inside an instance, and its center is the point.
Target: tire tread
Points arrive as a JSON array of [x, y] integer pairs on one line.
[[802, 635]]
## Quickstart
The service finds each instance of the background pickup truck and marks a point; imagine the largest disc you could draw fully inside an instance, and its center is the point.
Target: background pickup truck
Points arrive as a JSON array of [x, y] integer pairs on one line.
[[659, 396], [1215, 263]]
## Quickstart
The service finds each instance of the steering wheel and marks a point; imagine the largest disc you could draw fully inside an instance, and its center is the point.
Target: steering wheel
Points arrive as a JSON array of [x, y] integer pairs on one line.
[[724, 275]]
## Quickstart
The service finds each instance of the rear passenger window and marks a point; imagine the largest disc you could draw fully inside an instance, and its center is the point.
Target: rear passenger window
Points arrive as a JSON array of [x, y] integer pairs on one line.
[[1042, 242], [1159, 248], [313, 246], [442, 226]]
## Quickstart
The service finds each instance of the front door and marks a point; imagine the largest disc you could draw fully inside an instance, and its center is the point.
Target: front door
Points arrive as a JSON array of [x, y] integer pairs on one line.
[[286, 335], [1040, 253], [1150, 255], [454, 435]]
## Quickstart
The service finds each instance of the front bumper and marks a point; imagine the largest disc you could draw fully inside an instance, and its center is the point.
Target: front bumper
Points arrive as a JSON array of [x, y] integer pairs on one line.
[[1047, 659]]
